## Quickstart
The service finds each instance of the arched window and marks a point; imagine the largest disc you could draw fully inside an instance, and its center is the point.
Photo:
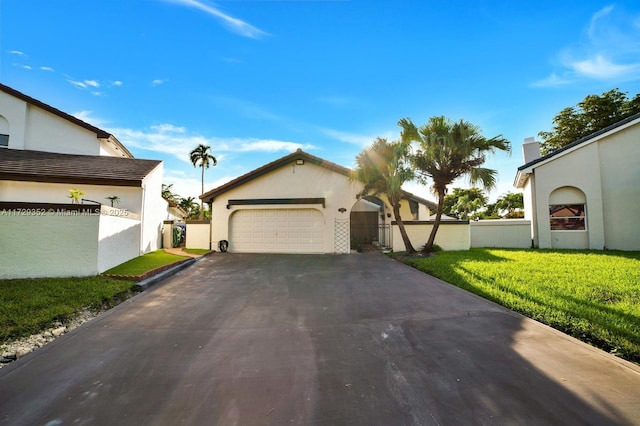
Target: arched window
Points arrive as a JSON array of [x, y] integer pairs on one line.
[[4, 132], [568, 209]]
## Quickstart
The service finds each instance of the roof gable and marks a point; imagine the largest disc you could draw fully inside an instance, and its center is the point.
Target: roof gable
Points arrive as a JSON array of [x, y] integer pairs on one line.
[[298, 155], [526, 169], [39, 166], [100, 134]]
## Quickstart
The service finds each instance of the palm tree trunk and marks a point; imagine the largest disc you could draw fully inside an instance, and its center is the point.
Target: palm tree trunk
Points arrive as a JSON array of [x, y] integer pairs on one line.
[[202, 192], [428, 248], [405, 238]]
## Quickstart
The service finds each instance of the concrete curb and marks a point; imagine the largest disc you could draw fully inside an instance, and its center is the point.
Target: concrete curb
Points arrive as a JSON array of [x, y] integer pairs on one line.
[[154, 279]]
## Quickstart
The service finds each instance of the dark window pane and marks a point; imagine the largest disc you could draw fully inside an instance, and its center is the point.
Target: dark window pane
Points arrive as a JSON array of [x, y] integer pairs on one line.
[[4, 140], [567, 217]]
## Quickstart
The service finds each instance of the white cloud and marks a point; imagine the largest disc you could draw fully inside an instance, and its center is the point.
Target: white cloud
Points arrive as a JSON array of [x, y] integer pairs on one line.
[[88, 118], [17, 53], [26, 67], [116, 83], [361, 140], [47, 69], [234, 24], [158, 82], [178, 142], [92, 83], [610, 50]]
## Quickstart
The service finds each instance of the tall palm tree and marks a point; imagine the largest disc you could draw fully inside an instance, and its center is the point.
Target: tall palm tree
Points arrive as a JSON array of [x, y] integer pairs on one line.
[[201, 156], [188, 204], [449, 150], [383, 168]]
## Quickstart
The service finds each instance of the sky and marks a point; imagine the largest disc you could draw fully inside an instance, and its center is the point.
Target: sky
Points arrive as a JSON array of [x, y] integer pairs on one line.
[[258, 79]]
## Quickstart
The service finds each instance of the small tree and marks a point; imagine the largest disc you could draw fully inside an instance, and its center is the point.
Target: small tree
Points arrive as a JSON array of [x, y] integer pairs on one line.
[[449, 150], [75, 195], [188, 204], [464, 202], [114, 199], [383, 168], [512, 204], [168, 194]]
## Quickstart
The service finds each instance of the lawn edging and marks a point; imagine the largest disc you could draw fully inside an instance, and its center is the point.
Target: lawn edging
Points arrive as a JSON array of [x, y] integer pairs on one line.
[[150, 273]]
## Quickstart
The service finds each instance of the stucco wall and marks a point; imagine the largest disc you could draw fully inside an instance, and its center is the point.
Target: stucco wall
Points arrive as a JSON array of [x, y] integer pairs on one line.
[[580, 169], [154, 211], [48, 245], [14, 112], [620, 171], [450, 236], [291, 181], [119, 239], [198, 236], [506, 233]]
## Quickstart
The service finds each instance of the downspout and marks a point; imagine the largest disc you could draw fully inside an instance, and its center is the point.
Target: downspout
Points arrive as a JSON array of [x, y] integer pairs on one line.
[[535, 242]]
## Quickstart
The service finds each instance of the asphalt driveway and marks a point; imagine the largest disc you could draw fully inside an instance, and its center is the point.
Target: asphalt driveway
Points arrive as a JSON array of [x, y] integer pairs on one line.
[[315, 340]]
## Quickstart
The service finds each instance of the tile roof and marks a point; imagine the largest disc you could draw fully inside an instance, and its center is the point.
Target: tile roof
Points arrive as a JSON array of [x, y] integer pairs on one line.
[[38, 166]]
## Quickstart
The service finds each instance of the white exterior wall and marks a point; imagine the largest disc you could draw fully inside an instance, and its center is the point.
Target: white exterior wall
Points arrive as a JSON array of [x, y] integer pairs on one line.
[[450, 236], [37, 192], [119, 239], [51, 245], [504, 233], [154, 211], [198, 236], [580, 169], [620, 171], [39, 130], [291, 181]]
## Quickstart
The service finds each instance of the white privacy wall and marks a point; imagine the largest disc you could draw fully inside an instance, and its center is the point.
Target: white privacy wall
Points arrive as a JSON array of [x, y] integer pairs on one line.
[[50, 245], [119, 240]]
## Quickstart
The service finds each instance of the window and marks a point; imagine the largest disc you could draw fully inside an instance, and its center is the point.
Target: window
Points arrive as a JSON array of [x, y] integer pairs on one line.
[[567, 217], [4, 140]]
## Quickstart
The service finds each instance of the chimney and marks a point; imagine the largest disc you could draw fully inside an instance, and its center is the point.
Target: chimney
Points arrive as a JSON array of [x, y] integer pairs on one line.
[[530, 150]]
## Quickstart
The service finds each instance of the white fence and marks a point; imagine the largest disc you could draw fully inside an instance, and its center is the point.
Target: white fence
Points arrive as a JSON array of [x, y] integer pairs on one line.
[[462, 235], [504, 233], [63, 240]]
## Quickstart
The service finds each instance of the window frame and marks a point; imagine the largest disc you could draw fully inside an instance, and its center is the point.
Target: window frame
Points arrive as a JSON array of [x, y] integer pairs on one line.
[[560, 207]]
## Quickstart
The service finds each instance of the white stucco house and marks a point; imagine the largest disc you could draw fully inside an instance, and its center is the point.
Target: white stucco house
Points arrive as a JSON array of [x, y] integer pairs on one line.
[[44, 153], [586, 194], [301, 203]]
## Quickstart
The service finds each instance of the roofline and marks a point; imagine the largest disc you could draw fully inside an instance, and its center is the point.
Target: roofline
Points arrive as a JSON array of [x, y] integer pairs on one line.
[[297, 155], [137, 183], [101, 134], [522, 173], [620, 125]]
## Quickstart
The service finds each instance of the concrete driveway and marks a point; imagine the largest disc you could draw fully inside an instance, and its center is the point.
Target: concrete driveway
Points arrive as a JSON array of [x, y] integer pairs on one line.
[[315, 340]]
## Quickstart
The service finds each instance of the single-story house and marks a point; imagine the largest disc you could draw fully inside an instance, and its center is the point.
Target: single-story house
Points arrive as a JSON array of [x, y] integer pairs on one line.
[[301, 203], [45, 153], [585, 195]]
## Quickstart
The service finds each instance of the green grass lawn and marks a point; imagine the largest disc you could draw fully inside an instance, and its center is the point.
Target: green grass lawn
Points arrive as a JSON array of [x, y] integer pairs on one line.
[[144, 263], [591, 295], [27, 306], [197, 251]]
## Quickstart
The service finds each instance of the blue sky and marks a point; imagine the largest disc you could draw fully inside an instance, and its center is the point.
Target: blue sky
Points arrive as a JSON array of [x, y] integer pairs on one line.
[[258, 79]]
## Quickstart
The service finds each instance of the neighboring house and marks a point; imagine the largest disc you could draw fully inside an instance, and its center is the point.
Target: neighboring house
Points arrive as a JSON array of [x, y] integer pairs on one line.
[[301, 204], [585, 195], [44, 153]]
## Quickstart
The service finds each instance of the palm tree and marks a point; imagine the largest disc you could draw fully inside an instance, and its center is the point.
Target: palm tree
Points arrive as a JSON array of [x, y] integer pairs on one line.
[[188, 204], [114, 199], [201, 155], [168, 194], [449, 150], [511, 202], [75, 195], [383, 169]]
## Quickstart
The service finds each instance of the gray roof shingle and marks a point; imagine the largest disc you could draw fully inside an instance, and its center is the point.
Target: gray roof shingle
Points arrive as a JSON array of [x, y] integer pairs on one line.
[[38, 166]]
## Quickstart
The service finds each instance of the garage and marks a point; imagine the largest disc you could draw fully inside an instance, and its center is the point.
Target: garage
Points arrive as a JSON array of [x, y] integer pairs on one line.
[[277, 231]]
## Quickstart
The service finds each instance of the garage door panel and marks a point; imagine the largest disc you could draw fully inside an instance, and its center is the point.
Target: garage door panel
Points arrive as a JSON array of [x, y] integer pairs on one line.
[[277, 231]]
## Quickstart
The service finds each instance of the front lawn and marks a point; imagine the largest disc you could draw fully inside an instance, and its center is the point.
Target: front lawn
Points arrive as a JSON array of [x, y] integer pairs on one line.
[[147, 262], [591, 295], [27, 306]]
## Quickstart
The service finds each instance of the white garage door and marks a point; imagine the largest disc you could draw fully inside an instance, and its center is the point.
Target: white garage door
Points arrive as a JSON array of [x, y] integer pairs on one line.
[[277, 231]]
